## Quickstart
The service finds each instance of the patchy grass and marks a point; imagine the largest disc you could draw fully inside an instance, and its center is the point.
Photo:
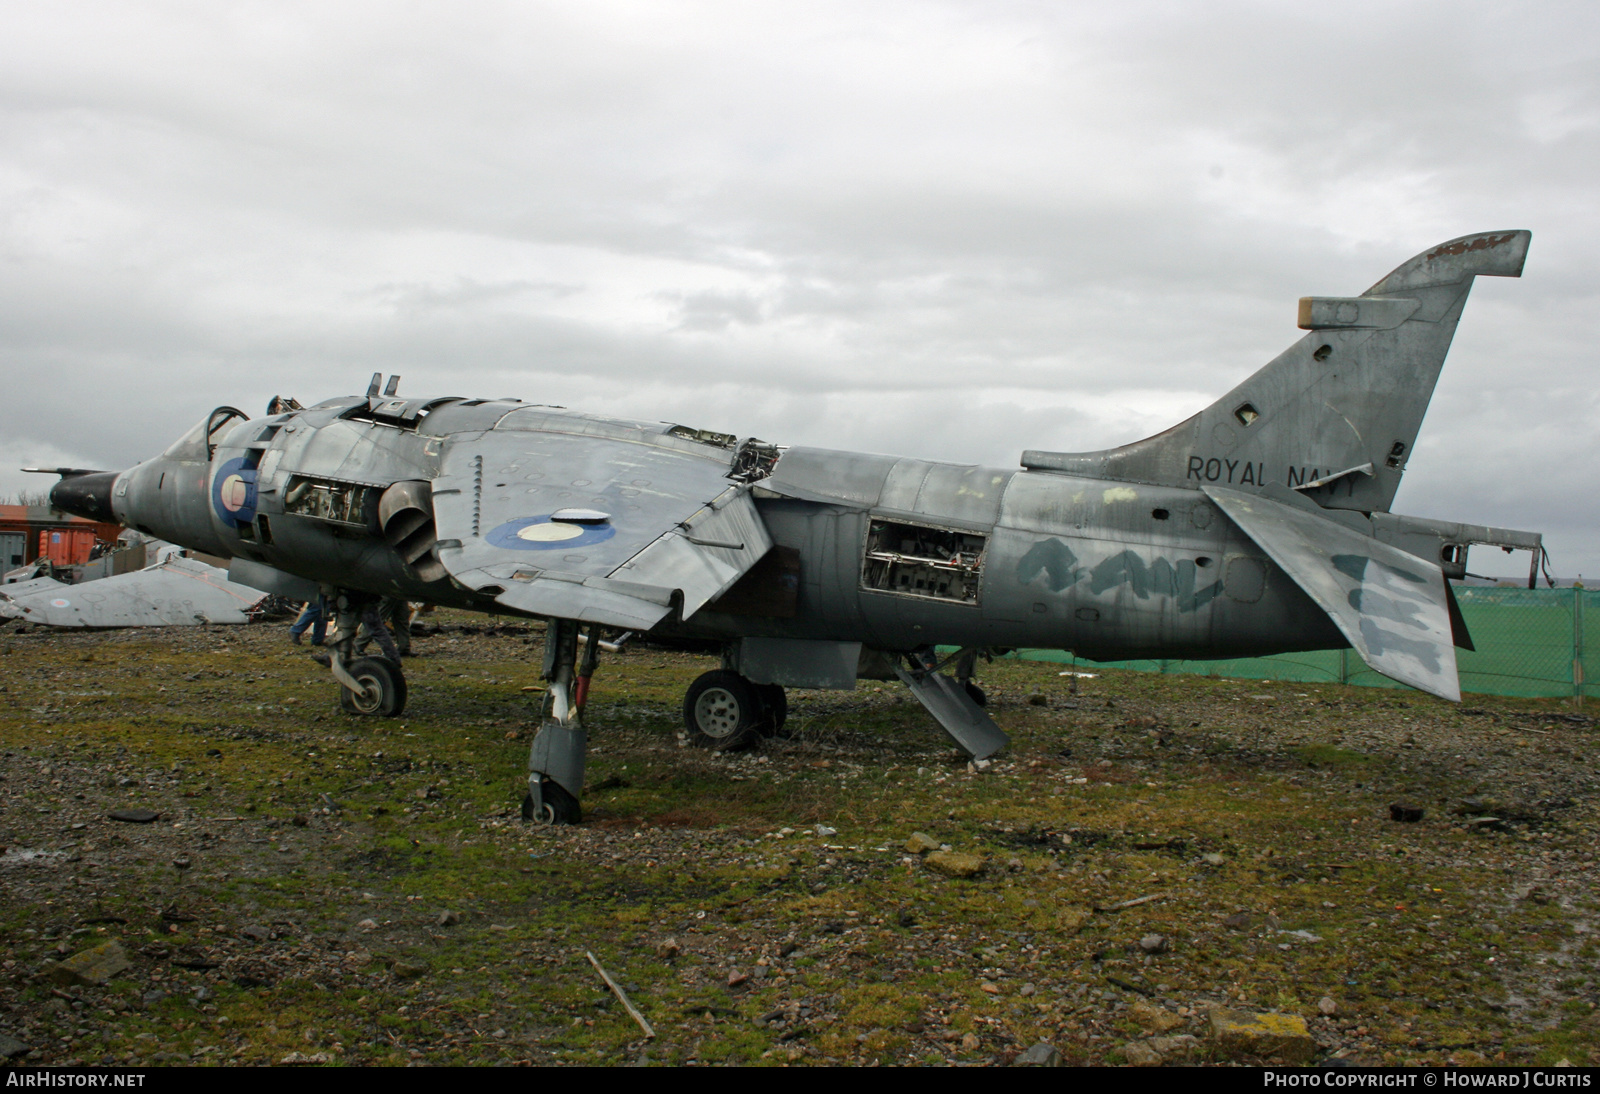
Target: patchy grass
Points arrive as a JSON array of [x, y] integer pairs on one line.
[[322, 850]]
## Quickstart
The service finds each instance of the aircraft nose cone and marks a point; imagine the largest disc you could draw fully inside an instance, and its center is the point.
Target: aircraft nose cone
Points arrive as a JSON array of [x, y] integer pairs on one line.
[[86, 495]]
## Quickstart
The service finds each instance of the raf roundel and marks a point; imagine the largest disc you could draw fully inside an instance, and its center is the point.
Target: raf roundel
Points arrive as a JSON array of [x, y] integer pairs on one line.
[[233, 492], [544, 533]]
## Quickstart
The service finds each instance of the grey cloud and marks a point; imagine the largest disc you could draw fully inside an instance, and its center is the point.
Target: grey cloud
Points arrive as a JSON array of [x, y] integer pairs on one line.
[[466, 293], [828, 224]]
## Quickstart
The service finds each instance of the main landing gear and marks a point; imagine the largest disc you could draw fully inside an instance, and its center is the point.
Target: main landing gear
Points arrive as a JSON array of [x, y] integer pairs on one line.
[[369, 686], [725, 712]]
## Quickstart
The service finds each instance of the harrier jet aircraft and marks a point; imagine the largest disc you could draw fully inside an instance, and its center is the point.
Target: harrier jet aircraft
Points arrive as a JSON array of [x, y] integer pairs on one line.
[[1261, 525]]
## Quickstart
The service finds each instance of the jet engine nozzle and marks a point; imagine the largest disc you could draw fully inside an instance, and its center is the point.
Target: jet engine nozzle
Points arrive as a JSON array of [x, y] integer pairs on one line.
[[87, 495]]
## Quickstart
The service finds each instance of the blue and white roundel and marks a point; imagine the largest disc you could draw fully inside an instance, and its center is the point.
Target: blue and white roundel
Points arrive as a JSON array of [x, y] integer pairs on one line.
[[543, 534], [233, 492]]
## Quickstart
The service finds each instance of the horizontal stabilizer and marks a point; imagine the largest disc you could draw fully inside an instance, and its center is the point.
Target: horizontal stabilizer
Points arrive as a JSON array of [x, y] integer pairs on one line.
[[1393, 607]]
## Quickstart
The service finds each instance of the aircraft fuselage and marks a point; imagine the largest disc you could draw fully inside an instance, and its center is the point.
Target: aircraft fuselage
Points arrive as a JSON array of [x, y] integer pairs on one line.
[[893, 553]]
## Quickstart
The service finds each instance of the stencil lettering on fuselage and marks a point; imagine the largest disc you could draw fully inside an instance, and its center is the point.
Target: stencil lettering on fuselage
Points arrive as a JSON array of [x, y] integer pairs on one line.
[[1059, 567], [1214, 469]]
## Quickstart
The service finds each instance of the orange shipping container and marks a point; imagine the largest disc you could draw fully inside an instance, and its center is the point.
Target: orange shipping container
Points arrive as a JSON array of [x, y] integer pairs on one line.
[[66, 546]]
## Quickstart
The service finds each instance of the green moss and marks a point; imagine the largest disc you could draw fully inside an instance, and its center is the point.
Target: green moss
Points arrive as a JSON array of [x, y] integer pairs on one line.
[[870, 765]]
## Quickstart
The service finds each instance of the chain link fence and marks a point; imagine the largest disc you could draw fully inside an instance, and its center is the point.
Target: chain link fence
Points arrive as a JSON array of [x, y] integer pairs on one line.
[[1534, 642]]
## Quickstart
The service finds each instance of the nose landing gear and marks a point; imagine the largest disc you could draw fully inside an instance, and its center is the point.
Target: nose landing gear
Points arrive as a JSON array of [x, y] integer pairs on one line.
[[382, 691], [368, 686]]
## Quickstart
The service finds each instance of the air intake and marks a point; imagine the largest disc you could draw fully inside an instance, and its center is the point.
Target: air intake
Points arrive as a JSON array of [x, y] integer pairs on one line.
[[405, 513]]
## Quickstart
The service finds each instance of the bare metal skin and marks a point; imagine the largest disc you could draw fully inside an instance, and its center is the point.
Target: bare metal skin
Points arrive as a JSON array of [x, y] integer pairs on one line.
[[1260, 525]]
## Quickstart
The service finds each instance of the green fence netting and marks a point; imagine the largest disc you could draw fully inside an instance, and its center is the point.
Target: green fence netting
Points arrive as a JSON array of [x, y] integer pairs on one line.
[[1537, 642]]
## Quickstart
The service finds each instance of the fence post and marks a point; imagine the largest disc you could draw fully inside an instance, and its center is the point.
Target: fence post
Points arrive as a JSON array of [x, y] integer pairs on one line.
[[1344, 665], [1577, 647]]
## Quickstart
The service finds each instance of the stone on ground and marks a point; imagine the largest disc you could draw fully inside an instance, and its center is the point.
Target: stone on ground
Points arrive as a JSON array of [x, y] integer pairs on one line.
[[1156, 1019], [1040, 1055], [1140, 1054], [954, 863], [92, 967], [1261, 1035]]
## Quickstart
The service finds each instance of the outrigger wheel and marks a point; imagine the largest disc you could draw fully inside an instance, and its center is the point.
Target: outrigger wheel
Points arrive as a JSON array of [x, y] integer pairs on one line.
[[725, 712], [557, 807], [383, 688]]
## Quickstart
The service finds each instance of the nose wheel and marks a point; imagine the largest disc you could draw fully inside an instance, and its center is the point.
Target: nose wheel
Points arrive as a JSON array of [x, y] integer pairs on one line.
[[382, 691], [373, 687]]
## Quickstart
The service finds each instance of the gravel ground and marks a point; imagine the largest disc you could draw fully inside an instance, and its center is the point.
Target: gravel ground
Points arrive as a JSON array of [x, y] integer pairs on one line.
[[320, 888]]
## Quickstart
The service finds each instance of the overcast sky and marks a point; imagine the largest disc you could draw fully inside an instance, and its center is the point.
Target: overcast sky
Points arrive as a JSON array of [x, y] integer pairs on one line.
[[952, 231]]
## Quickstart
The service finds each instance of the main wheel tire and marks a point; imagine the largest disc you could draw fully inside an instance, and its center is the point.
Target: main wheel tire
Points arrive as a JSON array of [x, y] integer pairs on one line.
[[975, 693], [384, 688], [723, 711], [560, 807], [777, 704]]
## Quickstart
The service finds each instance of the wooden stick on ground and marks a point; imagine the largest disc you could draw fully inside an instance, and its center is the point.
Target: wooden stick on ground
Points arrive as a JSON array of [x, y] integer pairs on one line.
[[1134, 903], [622, 996]]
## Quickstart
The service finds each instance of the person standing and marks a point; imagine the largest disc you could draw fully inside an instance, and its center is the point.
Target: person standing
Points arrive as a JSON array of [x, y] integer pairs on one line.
[[393, 614], [313, 617]]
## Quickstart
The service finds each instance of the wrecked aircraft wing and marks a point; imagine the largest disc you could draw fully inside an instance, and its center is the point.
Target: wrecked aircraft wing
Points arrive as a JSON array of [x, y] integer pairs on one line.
[[635, 518], [178, 592], [29, 587]]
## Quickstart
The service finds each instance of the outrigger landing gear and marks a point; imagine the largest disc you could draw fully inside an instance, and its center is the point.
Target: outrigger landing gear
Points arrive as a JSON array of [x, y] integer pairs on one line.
[[556, 760], [370, 686]]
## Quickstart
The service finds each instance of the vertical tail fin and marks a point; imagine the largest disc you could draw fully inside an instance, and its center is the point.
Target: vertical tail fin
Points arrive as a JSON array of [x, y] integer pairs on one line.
[[1336, 414]]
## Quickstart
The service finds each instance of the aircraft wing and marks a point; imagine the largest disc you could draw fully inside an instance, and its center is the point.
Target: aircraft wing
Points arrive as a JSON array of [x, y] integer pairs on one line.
[[665, 526], [1392, 606], [13, 596], [177, 592]]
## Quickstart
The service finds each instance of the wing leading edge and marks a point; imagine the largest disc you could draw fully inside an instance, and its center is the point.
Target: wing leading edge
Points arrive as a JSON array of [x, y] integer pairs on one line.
[[1392, 606]]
